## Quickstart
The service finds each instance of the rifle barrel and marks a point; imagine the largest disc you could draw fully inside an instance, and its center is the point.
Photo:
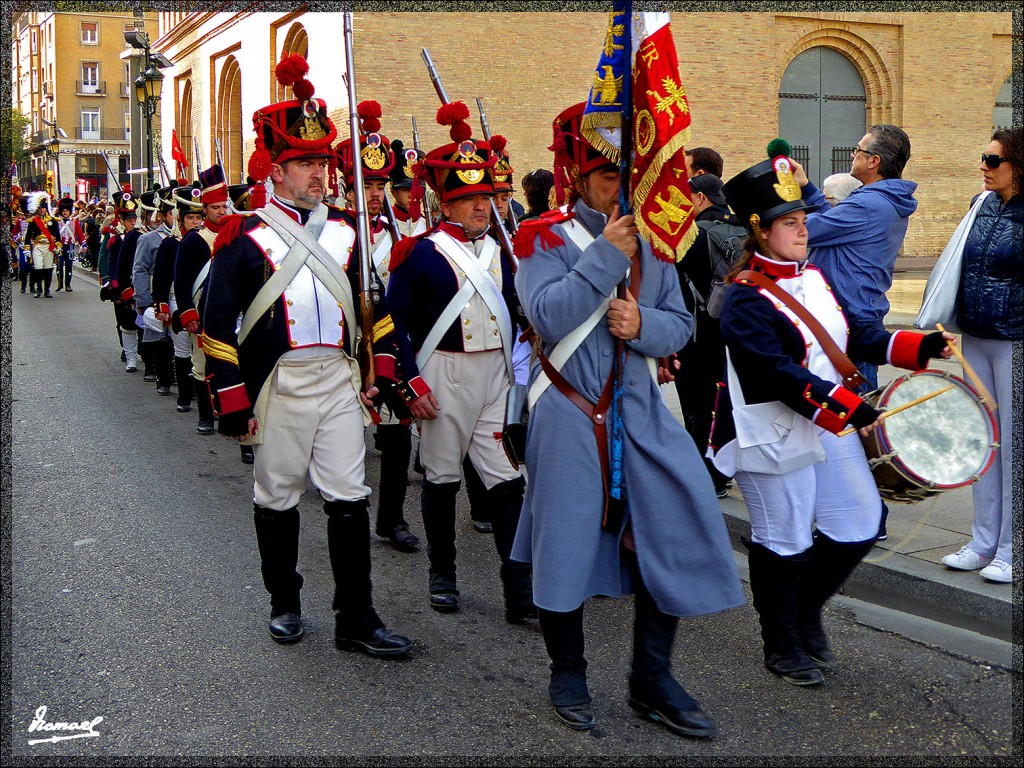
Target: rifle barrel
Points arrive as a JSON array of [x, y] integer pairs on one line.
[[434, 77], [362, 220]]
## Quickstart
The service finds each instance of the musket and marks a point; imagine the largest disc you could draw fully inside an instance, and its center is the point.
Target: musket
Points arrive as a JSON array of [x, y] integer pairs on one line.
[[163, 168], [199, 164], [117, 181], [426, 205], [220, 162], [366, 296], [487, 136], [500, 233]]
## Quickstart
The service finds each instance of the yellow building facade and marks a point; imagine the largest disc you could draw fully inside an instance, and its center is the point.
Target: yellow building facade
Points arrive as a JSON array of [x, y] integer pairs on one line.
[[937, 75]]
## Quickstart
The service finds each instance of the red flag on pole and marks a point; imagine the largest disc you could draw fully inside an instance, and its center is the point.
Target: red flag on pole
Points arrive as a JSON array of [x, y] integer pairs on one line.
[[661, 118], [178, 154]]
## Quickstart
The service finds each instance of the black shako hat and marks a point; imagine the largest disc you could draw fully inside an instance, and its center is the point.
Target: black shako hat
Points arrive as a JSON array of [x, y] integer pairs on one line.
[[768, 189]]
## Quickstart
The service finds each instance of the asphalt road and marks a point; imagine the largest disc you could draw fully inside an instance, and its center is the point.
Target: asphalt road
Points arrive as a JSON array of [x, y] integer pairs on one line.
[[135, 596]]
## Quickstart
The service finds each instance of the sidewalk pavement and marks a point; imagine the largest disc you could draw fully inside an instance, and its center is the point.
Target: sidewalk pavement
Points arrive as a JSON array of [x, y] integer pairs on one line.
[[905, 572]]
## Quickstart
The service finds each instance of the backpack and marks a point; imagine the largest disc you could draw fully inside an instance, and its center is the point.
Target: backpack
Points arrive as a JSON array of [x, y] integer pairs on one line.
[[725, 246]]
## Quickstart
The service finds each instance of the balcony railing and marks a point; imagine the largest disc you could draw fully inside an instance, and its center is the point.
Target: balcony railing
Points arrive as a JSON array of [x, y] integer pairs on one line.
[[123, 87], [101, 134], [91, 89]]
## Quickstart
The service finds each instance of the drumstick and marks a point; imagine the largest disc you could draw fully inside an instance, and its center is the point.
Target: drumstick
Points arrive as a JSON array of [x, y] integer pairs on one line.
[[969, 370], [886, 414]]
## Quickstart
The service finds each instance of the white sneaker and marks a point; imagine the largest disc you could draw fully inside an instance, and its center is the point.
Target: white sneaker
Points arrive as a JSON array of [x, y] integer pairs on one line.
[[999, 570], [966, 560]]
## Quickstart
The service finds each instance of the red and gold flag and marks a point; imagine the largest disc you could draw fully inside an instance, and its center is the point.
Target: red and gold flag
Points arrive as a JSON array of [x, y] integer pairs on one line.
[[661, 130]]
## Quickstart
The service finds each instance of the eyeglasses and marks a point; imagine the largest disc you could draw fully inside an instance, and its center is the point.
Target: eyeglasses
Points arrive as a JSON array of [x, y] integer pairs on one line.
[[993, 161], [858, 149]]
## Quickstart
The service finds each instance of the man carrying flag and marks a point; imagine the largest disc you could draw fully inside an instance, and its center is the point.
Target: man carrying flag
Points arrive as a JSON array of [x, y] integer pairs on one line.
[[669, 547]]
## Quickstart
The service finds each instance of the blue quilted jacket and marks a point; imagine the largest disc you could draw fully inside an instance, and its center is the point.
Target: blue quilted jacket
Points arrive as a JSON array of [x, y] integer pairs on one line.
[[990, 303]]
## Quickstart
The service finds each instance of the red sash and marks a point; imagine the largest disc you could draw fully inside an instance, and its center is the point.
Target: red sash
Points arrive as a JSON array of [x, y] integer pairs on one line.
[[45, 230]]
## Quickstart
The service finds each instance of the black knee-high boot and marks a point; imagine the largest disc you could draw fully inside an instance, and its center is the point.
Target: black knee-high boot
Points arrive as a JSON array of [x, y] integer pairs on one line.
[[348, 542], [831, 563], [37, 282], [163, 363], [476, 491], [653, 691], [563, 639], [205, 407], [184, 383], [775, 584], [47, 280], [505, 501], [438, 509], [394, 441], [277, 535]]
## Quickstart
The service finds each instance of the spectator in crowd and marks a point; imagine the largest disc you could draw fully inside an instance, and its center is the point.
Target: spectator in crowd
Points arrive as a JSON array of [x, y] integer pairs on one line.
[[838, 187], [990, 313], [537, 188], [700, 160]]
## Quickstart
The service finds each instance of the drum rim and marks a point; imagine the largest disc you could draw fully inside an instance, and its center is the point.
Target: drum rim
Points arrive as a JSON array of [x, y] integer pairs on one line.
[[898, 466]]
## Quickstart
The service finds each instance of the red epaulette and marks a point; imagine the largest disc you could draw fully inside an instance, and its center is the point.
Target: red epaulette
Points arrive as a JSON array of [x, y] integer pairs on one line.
[[230, 228], [530, 229], [400, 251]]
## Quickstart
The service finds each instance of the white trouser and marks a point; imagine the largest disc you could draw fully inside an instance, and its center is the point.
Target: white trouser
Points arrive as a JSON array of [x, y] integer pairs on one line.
[[42, 257], [992, 360], [182, 343], [837, 495], [470, 387], [313, 425]]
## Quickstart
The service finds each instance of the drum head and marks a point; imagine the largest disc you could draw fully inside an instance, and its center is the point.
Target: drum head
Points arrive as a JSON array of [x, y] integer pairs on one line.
[[946, 441]]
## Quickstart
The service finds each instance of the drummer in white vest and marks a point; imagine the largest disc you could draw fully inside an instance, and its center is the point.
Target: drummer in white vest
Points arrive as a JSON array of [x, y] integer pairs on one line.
[[781, 416], [453, 294]]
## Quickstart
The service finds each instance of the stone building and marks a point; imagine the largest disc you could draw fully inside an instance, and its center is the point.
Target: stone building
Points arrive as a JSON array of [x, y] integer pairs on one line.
[[70, 73], [818, 79]]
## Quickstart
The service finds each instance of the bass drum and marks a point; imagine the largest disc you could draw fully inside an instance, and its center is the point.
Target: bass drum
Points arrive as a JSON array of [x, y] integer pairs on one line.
[[943, 443]]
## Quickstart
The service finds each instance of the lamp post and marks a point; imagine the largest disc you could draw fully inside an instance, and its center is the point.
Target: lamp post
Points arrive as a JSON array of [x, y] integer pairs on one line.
[[147, 87], [52, 145], [147, 94]]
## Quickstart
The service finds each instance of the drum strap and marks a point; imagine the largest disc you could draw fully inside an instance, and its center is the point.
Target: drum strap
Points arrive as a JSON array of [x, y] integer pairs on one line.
[[851, 376]]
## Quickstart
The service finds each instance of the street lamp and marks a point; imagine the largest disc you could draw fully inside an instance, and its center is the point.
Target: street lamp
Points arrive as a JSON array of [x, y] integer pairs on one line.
[[52, 145], [147, 91]]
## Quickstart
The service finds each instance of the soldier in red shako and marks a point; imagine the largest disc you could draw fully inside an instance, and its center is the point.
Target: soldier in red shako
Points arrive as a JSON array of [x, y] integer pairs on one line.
[[287, 379], [452, 293]]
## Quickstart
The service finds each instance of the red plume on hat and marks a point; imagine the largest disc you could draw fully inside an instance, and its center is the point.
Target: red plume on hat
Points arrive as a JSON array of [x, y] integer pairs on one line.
[[498, 143], [455, 114], [369, 113], [292, 70]]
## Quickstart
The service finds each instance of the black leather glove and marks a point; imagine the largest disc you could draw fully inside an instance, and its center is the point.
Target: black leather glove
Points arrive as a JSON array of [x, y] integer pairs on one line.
[[931, 346], [234, 424], [388, 394], [863, 415]]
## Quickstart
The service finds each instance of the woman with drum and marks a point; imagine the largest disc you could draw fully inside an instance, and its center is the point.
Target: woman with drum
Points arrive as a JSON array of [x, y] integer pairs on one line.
[[990, 313], [796, 474]]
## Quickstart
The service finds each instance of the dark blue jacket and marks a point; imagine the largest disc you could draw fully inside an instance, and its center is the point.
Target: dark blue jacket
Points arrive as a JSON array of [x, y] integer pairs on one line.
[[990, 302]]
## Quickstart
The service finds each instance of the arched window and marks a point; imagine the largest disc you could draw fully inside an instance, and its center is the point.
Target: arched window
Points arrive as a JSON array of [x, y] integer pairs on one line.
[[1002, 112], [822, 111], [229, 120], [295, 41], [184, 129]]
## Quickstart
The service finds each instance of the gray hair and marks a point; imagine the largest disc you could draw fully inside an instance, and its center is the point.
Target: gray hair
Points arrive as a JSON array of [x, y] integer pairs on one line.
[[838, 186], [892, 145]]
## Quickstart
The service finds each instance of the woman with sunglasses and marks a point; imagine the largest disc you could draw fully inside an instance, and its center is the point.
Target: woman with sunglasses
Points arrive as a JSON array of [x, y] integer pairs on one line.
[[990, 313]]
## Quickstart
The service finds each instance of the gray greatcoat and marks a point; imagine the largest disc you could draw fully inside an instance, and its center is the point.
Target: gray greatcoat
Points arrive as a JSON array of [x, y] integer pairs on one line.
[[682, 546]]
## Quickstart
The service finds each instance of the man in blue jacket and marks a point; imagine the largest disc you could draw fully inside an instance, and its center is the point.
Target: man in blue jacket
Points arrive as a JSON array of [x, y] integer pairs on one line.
[[855, 243]]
